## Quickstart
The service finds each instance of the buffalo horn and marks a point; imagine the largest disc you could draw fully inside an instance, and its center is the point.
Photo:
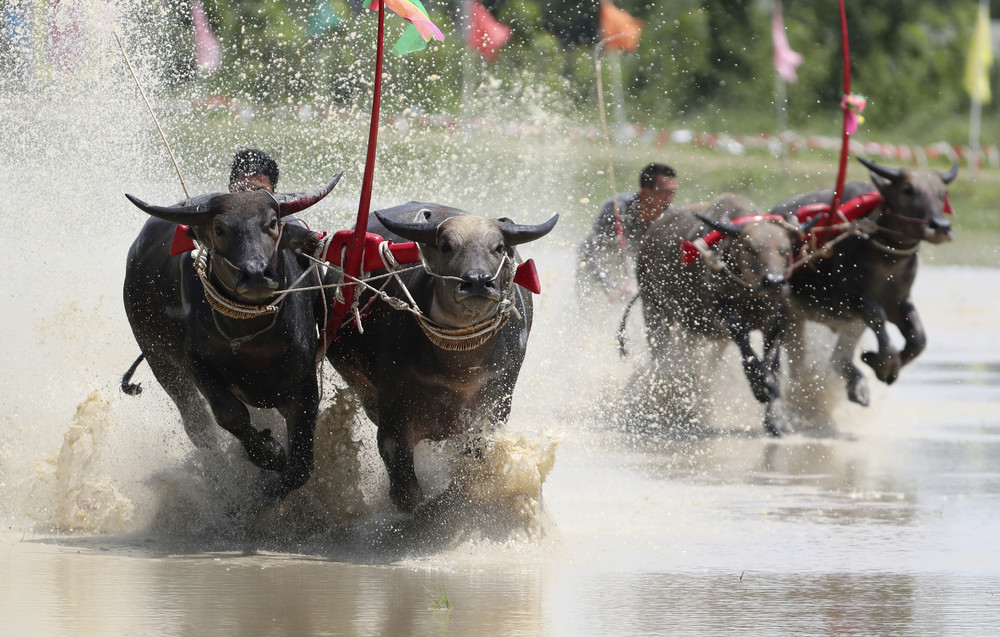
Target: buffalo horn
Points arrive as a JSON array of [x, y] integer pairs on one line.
[[189, 214], [516, 234], [889, 173], [290, 203], [949, 176], [724, 227], [419, 232], [809, 225]]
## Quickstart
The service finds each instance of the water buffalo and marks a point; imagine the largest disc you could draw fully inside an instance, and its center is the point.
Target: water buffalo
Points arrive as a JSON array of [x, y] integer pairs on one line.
[[866, 279], [452, 369], [739, 287], [217, 334]]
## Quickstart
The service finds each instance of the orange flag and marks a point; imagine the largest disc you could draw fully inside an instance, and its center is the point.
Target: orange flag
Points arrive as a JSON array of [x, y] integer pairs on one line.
[[486, 35], [619, 29]]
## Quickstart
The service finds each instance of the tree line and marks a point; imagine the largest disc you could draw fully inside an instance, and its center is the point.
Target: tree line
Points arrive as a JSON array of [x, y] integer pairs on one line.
[[694, 56]]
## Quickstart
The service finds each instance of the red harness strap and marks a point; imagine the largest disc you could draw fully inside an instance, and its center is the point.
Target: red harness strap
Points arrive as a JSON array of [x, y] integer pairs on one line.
[[691, 249]]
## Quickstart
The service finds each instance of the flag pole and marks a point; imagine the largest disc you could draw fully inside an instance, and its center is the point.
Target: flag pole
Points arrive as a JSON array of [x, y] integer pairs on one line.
[[781, 105], [975, 125], [619, 231]]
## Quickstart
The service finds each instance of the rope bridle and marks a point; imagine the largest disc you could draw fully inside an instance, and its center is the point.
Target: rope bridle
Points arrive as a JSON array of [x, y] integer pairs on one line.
[[735, 272], [444, 337], [224, 305]]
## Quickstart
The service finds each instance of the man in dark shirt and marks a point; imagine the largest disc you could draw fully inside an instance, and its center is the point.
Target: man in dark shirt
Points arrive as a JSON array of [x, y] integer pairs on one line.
[[604, 256]]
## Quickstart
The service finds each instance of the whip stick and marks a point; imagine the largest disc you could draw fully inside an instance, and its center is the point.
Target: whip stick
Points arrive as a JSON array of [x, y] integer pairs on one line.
[[838, 191], [619, 232], [151, 113]]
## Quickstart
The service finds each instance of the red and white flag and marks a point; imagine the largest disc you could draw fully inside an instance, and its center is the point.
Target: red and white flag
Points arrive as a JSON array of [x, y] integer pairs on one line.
[[785, 59]]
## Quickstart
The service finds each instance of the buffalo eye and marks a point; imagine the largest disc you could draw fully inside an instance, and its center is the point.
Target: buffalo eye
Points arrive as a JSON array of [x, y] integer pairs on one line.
[[908, 189], [219, 231], [444, 247], [273, 225], [500, 248]]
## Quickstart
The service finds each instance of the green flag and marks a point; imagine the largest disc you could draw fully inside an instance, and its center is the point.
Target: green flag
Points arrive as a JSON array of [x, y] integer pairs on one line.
[[324, 19]]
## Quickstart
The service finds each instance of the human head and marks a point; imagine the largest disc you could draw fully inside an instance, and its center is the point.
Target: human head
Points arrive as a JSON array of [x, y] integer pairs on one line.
[[253, 169], [657, 188]]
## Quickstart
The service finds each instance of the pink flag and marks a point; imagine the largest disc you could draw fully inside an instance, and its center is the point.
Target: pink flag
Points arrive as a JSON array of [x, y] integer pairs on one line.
[[485, 34], [785, 59], [206, 45]]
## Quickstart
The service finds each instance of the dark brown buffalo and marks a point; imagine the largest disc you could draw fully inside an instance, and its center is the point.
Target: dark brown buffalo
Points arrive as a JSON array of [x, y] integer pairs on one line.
[[452, 371], [740, 288], [866, 280], [216, 359]]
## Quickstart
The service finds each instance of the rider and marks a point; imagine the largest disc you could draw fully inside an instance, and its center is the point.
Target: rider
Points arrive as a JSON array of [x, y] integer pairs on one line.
[[604, 254]]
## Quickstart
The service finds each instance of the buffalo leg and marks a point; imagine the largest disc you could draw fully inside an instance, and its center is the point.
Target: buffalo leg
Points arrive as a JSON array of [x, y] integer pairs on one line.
[[397, 454], [886, 362], [912, 329], [300, 419], [195, 416], [233, 416], [776, 419], [755, 370], [843, 362]]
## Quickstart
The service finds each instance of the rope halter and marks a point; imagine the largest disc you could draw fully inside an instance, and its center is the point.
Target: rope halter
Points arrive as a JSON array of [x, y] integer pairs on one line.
[[472, 336]]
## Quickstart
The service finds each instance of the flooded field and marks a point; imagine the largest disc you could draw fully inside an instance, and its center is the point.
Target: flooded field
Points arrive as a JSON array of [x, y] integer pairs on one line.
[[879, 520]]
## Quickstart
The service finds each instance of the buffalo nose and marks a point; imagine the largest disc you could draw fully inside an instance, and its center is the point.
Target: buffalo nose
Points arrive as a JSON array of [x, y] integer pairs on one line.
[[256, 275], [774, 283], [476, 281], [941, 226]]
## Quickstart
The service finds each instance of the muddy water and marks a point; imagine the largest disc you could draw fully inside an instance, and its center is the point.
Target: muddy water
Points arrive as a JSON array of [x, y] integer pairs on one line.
[[870, 521], [887, 526]]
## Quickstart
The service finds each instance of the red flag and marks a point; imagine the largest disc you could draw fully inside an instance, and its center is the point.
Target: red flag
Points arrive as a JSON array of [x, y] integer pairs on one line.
[[206, 45], [785, 59], [485, 34], [621, 30]]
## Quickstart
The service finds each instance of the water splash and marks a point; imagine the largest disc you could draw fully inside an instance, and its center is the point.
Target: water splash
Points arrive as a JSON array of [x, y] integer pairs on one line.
[[69, 492]]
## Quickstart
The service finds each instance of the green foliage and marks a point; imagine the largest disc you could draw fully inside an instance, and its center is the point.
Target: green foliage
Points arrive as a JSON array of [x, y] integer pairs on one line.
[[696, 58]]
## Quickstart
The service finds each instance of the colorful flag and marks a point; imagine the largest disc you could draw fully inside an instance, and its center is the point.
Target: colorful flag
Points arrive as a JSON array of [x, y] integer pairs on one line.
[[485, 34], [618, 29], [421, 28], [206, 45], [785, 59], [977, 67]]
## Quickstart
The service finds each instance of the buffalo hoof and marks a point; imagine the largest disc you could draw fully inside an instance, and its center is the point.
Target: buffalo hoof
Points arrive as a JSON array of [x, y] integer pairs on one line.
[[762, 383], [777, 422], [857, 391], [405, 497], [266, 452], [886, 367]]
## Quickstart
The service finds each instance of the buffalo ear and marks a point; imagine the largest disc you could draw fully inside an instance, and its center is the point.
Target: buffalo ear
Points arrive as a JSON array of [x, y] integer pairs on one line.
[[299, 238]]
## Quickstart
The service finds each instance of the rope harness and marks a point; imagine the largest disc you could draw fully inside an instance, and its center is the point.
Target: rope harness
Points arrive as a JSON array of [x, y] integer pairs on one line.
[[444, 337], [738, 274]]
